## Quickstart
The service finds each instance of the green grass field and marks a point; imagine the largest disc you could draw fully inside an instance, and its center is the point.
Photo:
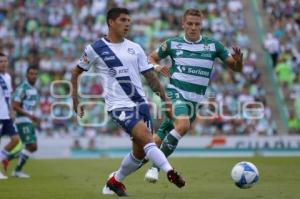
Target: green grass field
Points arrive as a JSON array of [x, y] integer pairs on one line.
[[207, 178]]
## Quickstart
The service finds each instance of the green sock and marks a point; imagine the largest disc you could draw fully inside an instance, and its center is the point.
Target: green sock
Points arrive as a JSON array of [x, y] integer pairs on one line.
[[22, 160], [168, 146]]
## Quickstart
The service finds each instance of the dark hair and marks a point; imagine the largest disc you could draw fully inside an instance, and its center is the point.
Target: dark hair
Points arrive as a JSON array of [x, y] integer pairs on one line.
[[31, 68], [114, 13], [192, 12], [2, 54]]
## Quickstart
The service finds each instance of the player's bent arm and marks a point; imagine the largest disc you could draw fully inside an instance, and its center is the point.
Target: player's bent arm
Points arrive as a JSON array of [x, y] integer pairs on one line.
[[155, 85], [76, 72], [154, 60], [17, 107]]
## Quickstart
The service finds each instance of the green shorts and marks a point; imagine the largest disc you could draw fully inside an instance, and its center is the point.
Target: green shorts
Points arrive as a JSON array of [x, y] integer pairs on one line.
[[27, 133], [181, 107]]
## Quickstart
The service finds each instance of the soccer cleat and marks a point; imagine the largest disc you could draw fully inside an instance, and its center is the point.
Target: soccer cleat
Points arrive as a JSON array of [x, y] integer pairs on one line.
[[5, 164], [117, 187], [152, 175], [2, 177], [105, 189], [20, 174], [175, 178]]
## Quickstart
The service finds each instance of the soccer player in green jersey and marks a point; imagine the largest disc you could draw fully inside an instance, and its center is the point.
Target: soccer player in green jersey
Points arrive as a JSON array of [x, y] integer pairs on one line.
[[25, 102], [192, 58]]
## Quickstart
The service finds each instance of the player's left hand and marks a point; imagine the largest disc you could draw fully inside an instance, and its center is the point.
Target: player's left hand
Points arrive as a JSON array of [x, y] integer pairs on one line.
[[237, 54]]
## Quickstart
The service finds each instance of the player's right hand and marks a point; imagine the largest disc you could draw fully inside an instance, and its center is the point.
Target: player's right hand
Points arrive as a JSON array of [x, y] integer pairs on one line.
[[36, 121], [164, 70], [169, 109], [78, 109]]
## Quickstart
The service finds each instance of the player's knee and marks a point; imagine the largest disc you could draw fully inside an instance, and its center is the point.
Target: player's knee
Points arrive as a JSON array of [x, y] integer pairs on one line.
[[182, 126], [14, 140], [32, 147], [157, 140]]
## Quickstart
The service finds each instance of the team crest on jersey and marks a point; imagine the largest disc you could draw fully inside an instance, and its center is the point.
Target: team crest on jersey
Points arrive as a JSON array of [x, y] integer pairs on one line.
[[112, 72], [131, 51], [164, 46], [206, 47], [84, 58]]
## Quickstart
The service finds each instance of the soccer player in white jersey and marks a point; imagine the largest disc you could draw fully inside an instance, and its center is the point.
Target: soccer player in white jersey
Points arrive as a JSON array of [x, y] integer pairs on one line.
[[6, 123], [192, 58], [121, 61]]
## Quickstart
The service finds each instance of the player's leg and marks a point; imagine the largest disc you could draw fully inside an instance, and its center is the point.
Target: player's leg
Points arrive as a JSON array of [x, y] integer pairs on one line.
[[165, 127], [16, 151], [142, 145], [28, 137], [9, 129], [144, 139], [183, 112], [172, 134]]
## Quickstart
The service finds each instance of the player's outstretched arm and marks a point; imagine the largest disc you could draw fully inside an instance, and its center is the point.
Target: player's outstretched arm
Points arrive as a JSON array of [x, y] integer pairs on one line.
[[155, 85], [235, 61], [74, 81], [154, 60]]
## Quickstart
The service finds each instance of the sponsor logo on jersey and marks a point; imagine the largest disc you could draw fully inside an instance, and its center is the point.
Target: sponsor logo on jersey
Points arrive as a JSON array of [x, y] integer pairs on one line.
[[179, 52], [198, 72], [131, 51], [112, 72], [208, 55], [107, 58], [105, 53], [179, 46]]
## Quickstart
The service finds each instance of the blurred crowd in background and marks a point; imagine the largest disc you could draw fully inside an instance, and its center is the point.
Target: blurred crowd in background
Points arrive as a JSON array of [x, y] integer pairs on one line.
[[52, 35], [283, 44]]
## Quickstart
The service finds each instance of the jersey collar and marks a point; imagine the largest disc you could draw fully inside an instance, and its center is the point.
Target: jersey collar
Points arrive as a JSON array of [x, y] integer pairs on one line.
[[190, 42]]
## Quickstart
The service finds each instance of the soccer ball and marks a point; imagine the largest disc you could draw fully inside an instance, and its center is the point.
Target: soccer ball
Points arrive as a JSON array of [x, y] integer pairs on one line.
[[244, 175]]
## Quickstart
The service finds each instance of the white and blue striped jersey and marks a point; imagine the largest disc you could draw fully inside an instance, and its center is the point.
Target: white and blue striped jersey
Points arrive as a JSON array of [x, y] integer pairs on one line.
[[120, 65], [5, 95]]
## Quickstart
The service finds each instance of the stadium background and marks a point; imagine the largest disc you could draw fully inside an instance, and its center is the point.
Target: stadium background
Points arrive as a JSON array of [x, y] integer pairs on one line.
[[53, 34]]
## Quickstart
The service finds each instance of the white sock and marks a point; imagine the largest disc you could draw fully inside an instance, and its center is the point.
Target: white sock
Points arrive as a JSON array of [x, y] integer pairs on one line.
[[128, 165], [175, 134], [157, 157], [4, 155], [26, 152]]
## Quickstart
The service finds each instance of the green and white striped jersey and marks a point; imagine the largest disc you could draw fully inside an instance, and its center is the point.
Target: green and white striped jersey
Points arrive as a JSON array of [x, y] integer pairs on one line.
[[28, 97], [192, 64]]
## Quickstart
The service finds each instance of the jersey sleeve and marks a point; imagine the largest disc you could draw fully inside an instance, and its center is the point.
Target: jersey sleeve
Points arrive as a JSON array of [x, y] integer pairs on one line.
[[19, 94], [164, 49], [222, 52], [143, 64], [87, 58]]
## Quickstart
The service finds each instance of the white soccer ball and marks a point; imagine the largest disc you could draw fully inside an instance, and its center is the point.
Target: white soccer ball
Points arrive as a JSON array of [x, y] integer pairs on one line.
[[244, 175]]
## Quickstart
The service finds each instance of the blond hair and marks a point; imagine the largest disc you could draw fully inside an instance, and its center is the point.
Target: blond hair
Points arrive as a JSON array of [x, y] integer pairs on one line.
[[192, 12]]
